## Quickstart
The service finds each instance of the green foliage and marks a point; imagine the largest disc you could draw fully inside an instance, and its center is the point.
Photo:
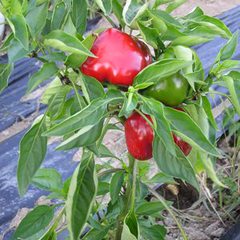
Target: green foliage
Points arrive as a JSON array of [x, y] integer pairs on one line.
[[5, 71], [35, 224], [82, 192], [47, 71], [33, 149], [48, 179]]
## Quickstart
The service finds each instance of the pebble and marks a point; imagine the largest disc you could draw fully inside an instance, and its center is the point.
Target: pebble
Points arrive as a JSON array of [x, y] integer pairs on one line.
[[218, 233], [211, 228]]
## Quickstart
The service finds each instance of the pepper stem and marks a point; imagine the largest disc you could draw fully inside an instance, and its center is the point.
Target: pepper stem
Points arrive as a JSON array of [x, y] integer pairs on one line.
[[129, 196]]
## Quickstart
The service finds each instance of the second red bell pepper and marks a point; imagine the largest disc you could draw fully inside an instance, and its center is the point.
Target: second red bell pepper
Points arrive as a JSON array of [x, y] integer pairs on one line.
[[139, 137]]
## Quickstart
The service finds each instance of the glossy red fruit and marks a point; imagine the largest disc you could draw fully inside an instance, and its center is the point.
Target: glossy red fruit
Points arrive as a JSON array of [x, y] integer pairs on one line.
[[120, 58], [184, 146], [139, 136]]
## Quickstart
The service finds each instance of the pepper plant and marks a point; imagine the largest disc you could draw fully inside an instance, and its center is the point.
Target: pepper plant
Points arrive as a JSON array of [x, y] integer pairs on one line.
[[141, 76]]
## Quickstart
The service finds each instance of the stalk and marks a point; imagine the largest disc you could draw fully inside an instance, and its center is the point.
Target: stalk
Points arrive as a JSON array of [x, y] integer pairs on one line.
[[129, 196]]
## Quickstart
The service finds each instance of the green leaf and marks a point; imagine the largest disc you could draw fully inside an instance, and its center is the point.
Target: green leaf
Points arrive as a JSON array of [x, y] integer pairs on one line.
[[208, 110], [76, 60], [65, 42], [161, 178], [52, 235], [5, 72], [163, 130], [199, 158], [225, 66], [154, 232], [36, 19], [103, 188], [235, 75], [234, 97], [195, 77], [69, 26], [55, 87], [16, 51], [130, 227], [202, 163], [166, 17], [81, 195], [79, 15], [176, 166], [19, 28], [150, 35], [116, 185], [130, 103], [87, 117], [90, 115], [186, 54], [172, 33], [6, 43], [14, 7], [158, 24], [92, 89], [190, 130], [54, 56], [213, 25], [143, 86], [84, 137], [197, 12], [117, 10], [33, 149], [228, 50], [98, 234], [104, 152], [132, 10], [149, 208], [47, 71], [58, 16], [160, 69], [190, 40], [105, 6], [34, 225], [48, 179], [175, 4]]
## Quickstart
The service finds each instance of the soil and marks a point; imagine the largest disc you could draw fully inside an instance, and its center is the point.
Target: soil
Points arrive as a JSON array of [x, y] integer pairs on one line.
[[210, 7]]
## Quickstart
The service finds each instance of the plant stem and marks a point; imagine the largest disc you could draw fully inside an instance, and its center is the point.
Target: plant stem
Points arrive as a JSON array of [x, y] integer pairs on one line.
[[129, 196], [134, 179]]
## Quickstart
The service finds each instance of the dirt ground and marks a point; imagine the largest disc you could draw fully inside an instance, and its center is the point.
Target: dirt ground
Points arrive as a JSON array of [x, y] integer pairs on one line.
[[210, 7]]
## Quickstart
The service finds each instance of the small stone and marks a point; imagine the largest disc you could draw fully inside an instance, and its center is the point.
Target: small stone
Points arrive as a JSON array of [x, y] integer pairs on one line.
[[211, 228], [218, 233], [43, 200]]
